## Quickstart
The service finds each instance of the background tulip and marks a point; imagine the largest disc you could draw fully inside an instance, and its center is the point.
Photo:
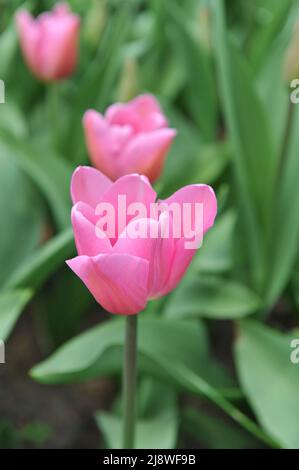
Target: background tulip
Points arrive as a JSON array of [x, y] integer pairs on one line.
[[122, 273], [131, 137], [50, 42]]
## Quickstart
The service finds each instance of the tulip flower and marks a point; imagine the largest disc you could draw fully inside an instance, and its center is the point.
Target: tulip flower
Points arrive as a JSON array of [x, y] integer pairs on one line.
[[123, 272], [129, 138], [50, 42]]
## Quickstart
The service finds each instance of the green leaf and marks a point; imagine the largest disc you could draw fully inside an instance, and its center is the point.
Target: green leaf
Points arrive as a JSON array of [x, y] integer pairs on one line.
[[211, 297], [200, 90], [12, 120], [11, 305], [98, 351], [8, 46], [21, 215], [158, 429], [254, 158], [50, 173], [283, 250], [212, 432], [216, 253], [43, 262], [270, 380]]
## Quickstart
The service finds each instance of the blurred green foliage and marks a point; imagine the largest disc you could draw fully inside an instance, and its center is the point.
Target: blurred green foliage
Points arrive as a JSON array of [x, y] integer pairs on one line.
[[217, 68]]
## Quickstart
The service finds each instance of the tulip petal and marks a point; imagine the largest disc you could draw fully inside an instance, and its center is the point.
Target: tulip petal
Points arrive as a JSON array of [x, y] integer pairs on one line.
[[142, 246], [143, 113], [58, 43], [181, 260], [192, 194], [125, 194], [88, 241], [118, 282], [146, 153], [89, 185], [29, 33], [105, 143]]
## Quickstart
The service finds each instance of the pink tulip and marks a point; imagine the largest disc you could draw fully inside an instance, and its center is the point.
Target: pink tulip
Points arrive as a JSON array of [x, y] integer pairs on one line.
[[50, 42], [129, 138], [122, 272]]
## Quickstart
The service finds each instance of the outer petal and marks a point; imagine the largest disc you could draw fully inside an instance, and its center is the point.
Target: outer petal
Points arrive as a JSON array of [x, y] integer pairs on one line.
[[146, 153], [88, 241], [143, 247], [59, 42], [143, 113], [126, 191], [89, 185], [180, 262], [105, 143], [197, 193], [157, 246], [183, 254], [117, 282], [29, 33]]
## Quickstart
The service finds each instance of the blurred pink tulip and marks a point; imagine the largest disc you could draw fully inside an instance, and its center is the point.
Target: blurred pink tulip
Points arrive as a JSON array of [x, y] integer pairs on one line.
[[50, 42], [131, 137], [122, 272]]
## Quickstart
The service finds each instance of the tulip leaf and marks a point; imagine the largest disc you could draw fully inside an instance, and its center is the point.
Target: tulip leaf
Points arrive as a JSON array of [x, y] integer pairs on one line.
[[98, 351], [43, 262], [283, 250], [8, 47], [11, 305], [211, 297], [254, 159], [201, 98], [269, 379], [50, 173], [212, 432], [21, 215], [216, 253], [157, 428]]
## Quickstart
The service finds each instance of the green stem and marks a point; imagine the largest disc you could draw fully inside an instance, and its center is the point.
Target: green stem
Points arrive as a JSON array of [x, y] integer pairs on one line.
[[129, 382], [53, 113]]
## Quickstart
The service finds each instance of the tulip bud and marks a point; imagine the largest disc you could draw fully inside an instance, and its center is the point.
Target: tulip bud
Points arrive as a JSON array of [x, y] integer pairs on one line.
[[131, 137], [291, 62], [204, 31], [128, 86], [50, 42], [95, 22]]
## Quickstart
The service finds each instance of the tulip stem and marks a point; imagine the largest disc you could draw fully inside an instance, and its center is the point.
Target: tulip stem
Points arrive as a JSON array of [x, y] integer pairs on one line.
[[129, 382]]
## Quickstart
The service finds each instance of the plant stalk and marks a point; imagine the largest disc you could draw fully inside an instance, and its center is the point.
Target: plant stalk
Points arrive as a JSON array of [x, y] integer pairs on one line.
[[129, 382]]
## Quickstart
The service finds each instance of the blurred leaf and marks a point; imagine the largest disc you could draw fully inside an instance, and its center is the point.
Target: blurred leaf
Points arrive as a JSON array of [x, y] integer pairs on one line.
[[200, 90], [50, 173], [12, 120], [273, 22], [212, 432], [157, 430], [21, 217], [211, 297], [8, 46], [11, 305], [216, 253], [269, 379], [97, 351], [43, 262], [283, 250], [254, 158]]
